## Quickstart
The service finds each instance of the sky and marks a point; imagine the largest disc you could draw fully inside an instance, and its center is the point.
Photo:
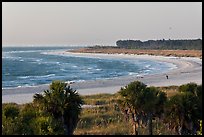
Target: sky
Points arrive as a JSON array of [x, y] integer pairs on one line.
[[98, 23]]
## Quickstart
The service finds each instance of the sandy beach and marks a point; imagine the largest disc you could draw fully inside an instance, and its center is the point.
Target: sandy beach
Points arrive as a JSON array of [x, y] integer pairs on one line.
[[185, 70]]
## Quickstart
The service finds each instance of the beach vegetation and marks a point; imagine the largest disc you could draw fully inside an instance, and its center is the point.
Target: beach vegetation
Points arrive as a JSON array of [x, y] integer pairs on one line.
[[11, 110], [154, 52], [62, 103], [142, 104], [172, 110], [184, 110], [10, 117], [54, 112]]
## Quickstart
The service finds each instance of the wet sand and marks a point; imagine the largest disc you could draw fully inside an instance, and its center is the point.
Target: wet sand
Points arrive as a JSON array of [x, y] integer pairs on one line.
[[188, 69]]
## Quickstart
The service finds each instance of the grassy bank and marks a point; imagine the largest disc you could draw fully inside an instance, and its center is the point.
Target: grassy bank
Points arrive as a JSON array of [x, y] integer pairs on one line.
[[176, 53], [105, 117]]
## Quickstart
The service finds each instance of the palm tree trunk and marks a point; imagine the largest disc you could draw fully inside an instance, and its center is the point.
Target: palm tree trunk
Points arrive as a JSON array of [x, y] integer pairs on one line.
[[70, 128], [150, 123], [194, 129], [65, 126], [134, 124], [66, 129], [180, 130]]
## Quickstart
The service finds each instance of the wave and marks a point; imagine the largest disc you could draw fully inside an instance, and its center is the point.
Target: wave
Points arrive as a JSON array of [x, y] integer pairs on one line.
[[20, 58], [11, 57], [79, 80], [22, 86], [132, 73], [62, 69], [147, 70], [7, 74], [152, 68], [98, 69], [172, 66], [44, 76], [147, 66], [39, 61], [140, 75], [23, 51], [74, 66], [25, 85], [70, 55]]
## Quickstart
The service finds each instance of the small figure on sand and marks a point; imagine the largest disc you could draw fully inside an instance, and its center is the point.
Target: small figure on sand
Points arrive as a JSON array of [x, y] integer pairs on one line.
[[167, 77]]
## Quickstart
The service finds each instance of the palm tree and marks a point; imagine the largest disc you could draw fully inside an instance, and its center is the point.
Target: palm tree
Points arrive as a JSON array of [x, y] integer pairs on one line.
[[182, 113], [62, 103], [196, 91], [143, 102], [151, 102], [129, 101], [173, 113]]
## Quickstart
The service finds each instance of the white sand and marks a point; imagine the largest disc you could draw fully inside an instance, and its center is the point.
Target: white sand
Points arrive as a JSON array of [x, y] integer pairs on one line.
[[187, 70]]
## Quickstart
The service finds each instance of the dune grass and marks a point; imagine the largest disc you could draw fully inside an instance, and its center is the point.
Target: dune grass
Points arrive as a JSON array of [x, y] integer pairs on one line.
[[106, 117], [176, 53]]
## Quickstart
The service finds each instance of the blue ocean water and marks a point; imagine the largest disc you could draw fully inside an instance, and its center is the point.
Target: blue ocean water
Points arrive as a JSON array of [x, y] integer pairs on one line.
[[29, 66]]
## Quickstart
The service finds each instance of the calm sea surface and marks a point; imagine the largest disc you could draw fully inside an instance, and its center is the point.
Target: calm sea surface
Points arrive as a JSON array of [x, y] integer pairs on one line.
[[29, 66]]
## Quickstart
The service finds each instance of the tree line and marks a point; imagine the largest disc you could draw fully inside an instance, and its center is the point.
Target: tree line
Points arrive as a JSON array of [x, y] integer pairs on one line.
[[56, 111], [192, 44]]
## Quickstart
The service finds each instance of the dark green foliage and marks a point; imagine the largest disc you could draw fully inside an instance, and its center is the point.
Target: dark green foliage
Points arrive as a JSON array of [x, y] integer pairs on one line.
[[10, 119], [184, 110], [199, 95], [101, 47], [190, 87], [132, 90], [196, 90], [62, 103], [161, 44], [142, 102], [56, 112], [47, 125], [27, 117], [11, 111]]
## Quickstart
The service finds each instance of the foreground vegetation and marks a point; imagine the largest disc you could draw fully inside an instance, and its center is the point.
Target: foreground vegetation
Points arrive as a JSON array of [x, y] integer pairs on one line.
[[54, 112], [135, 109]]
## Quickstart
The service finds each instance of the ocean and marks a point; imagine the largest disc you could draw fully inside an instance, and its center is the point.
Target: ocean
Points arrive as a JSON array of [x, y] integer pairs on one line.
[[31, 66]]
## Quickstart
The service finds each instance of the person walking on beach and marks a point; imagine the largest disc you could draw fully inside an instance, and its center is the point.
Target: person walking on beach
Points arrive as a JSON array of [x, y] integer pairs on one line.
[[167, 77]]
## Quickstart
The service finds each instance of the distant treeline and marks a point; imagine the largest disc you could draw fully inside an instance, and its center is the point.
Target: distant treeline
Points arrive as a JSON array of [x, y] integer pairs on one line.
[[195, 44]]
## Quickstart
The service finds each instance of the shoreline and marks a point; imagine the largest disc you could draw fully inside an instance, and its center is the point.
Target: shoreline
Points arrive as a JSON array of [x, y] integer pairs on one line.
[[188, 69]]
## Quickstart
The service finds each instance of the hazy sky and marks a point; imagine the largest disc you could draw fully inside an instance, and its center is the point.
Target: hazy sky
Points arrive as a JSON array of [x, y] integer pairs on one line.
[[90, 23]]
